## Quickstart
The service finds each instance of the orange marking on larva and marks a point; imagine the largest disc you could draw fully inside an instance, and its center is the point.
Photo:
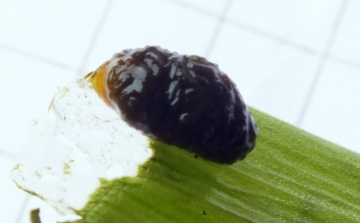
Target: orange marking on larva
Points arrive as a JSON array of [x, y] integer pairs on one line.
[[98, 80]]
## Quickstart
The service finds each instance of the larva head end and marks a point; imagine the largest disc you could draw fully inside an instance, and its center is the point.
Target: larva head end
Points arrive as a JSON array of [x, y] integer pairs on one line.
[[98, 80]]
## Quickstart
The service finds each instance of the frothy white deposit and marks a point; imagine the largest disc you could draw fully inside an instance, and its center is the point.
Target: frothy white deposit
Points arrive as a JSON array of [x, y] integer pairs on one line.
[[79, 142]]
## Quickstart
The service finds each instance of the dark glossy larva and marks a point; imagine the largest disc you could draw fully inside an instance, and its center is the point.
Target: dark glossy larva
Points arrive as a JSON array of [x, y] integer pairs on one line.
[[181, 100]]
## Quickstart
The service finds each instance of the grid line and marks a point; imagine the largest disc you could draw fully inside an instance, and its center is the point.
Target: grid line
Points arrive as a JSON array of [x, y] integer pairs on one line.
[[349, 63], [269, 35], [218, 28], [194, 8], [322, 63], [95, 37], [7, 154], [248, 28], [22, 209], [36, 57]]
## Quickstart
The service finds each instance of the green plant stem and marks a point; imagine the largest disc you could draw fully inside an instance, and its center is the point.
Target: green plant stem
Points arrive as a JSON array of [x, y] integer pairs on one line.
[[291, 176]]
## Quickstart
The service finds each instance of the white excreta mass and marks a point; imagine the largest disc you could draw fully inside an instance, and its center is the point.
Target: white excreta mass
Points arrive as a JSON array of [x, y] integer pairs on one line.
[[79, 142]]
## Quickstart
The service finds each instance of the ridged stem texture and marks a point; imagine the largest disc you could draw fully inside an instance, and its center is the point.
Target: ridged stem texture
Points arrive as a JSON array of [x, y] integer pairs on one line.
[[291, 176]]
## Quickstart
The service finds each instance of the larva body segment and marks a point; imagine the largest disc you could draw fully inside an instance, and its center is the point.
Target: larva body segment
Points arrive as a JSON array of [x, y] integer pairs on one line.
[[180, 100]]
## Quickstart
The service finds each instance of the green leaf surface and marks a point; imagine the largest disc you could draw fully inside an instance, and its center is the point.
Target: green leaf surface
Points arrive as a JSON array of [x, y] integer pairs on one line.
[[291, 176]]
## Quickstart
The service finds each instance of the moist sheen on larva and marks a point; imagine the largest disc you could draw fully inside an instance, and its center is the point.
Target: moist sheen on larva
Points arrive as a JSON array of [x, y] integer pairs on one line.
[[181, 100]]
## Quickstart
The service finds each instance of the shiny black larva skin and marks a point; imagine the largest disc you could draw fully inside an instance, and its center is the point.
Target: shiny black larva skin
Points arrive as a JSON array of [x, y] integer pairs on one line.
[[182, 100]]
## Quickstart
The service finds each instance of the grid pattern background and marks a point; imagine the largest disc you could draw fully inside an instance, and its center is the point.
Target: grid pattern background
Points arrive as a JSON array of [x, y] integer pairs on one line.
[[297, 60]]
